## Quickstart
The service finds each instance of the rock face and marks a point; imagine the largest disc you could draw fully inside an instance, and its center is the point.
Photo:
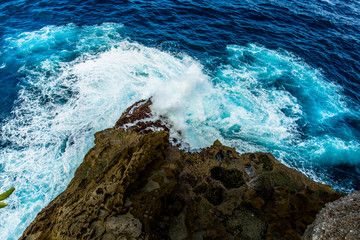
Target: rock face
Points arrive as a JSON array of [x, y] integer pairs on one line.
[[133, 184], [337, 220]]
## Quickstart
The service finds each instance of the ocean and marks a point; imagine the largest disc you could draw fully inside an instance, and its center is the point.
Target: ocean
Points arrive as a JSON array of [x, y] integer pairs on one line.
[[273, 76]]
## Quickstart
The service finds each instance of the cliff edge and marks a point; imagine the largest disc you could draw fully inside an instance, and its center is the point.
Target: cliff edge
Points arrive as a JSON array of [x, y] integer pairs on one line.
[[134, 184]]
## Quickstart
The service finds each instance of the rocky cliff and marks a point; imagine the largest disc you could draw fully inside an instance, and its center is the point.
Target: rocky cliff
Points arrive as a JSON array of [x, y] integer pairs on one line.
[[337, 220], [134, 184]]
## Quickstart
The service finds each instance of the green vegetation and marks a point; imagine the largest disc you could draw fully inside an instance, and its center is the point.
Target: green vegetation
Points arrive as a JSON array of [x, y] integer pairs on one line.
[[6, 195]]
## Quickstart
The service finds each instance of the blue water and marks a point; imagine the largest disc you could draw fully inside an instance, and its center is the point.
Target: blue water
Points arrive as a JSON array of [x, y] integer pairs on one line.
[[269, 76]]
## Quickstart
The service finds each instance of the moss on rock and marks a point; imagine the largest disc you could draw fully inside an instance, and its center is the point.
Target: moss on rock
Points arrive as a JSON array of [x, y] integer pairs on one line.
[[231, 178]]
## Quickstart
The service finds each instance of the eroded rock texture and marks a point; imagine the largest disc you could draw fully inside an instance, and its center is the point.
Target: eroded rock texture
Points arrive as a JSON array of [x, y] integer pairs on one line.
[[337, 220], [133, 184]]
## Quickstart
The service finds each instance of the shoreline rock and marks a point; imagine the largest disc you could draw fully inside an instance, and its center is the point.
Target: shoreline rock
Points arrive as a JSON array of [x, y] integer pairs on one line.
[[338, 220], [134, 184]]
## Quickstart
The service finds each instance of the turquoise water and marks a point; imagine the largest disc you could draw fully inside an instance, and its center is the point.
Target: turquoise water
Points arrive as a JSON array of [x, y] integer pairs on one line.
[[257, 75]]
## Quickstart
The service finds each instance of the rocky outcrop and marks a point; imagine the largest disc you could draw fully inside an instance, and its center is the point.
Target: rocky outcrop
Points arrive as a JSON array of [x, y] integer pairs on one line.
[[337, 220], [134, 184], [137, 116]]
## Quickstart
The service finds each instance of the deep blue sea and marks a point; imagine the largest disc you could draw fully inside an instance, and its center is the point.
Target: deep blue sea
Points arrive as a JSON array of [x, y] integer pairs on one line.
[[275, 76]]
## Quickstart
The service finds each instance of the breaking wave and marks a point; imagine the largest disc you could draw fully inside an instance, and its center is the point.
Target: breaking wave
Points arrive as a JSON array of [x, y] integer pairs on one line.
[[76, 81]]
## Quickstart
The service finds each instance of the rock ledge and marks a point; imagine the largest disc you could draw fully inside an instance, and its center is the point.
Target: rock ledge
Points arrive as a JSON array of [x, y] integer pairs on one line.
[[337, 220]]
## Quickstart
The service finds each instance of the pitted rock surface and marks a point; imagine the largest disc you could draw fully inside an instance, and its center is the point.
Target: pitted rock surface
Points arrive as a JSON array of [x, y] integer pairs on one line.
[[134, 184], [337, 220]]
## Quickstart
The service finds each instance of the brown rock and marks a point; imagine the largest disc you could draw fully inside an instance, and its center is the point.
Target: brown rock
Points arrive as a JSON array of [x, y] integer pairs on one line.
[[133, 184], [135, 117], [337, 220]]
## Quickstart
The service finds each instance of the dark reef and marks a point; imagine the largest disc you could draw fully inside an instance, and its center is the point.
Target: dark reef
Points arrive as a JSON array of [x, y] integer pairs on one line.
[[134, 184]]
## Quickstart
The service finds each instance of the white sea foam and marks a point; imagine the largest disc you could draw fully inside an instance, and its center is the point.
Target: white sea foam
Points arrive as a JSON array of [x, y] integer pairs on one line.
[[86, 77], [62, 104]]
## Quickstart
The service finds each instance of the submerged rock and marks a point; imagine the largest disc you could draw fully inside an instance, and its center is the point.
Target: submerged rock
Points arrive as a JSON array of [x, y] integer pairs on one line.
[[134, 184]]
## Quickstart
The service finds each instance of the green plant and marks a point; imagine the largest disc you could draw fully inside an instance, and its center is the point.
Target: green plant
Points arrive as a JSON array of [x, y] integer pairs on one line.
[[6, 195]]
